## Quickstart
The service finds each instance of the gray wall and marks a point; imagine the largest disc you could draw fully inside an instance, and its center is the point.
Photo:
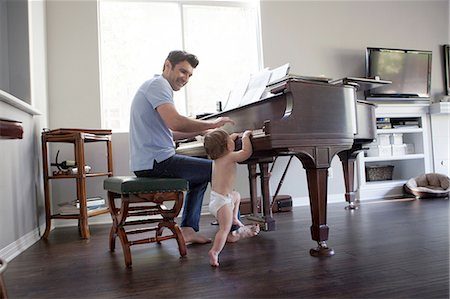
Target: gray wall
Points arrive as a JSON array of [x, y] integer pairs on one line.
[[331, 41], [316, 37]]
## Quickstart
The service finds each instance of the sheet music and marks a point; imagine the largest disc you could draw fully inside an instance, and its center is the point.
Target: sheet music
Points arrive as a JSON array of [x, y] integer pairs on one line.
[[256, 87], [237, 93], [279, 72], [275, 75], [252, 88]]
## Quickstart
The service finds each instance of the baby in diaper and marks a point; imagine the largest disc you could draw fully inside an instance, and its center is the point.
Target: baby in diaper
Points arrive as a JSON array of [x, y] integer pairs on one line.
[[224, 202]]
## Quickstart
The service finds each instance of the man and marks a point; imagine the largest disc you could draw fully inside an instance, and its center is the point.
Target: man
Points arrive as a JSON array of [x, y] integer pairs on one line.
[[154, 125]]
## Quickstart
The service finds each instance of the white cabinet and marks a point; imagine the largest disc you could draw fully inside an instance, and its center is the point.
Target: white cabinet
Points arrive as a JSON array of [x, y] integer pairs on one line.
[[401, 151], [440, 128]]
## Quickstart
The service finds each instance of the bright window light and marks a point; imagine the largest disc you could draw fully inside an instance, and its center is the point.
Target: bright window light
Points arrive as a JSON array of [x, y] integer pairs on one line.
[[224, 35]]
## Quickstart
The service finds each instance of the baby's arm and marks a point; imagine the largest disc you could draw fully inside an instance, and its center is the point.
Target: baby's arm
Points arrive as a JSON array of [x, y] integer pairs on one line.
[[246, 150]]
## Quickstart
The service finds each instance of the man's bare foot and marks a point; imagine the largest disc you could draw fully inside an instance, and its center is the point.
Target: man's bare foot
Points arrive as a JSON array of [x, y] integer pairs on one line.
[[213, 258], [238, 222], [243, 232], [192, 237]]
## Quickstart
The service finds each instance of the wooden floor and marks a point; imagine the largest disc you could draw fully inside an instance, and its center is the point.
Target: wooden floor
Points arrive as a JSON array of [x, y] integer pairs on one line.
[[386, 249]]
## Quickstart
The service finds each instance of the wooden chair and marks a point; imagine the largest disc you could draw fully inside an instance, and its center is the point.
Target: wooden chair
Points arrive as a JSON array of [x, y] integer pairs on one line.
[[3, 294], [143, 209]]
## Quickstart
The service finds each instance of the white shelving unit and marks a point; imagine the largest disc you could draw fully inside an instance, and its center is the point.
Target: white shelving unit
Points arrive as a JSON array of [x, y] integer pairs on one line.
[[406, 166], [440, 128]]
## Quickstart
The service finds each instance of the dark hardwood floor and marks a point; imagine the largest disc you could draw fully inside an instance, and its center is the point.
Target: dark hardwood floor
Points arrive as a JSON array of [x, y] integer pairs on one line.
[[386, 249]]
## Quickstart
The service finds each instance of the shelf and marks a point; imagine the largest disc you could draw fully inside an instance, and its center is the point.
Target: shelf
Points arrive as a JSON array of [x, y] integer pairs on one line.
[[389, 183], [77, 216], [74, 176], [394, 158], [79, 138], [415, 131], [399, 130]]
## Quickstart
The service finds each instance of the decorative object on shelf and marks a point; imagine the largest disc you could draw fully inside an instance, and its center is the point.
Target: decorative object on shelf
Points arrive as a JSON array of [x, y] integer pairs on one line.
[[64, 167], [379, 172], [428, 185]]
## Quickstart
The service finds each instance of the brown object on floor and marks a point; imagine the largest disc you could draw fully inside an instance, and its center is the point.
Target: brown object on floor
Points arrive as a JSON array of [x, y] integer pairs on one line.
[[144, 198], [3, 294], [283, 203]]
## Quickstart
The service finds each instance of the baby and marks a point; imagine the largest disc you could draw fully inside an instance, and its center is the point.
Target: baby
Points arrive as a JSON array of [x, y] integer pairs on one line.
[[224, 202]]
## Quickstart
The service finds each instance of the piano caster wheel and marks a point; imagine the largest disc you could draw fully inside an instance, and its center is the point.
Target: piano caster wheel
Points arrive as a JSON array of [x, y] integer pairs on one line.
[[352, 206], [321, 250]]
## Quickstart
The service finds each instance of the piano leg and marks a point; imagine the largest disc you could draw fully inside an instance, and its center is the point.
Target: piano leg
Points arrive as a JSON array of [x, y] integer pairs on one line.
[[266, 220], [253, 190], [317, 186], [348, 158], [266, 202]]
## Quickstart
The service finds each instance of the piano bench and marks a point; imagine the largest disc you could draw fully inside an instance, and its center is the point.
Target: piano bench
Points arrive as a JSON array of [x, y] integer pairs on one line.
[[143, 210]]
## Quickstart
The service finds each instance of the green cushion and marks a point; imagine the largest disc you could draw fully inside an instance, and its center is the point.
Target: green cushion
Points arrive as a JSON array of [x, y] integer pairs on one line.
[[129, 184]]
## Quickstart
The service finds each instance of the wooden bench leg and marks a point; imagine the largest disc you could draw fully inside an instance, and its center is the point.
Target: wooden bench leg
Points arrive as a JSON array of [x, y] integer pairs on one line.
[[176, 231], [113, 212], [125, 246], [119, 218]]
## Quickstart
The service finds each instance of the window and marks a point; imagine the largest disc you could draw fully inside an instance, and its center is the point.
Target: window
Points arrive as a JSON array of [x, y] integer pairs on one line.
[[224, 35]]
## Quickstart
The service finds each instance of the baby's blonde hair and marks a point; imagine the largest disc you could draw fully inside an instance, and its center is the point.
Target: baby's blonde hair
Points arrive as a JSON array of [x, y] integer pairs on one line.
[[216, 143]]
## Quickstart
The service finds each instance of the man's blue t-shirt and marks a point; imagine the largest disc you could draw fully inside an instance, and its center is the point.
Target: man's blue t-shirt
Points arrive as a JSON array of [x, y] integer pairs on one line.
[[150, 139]]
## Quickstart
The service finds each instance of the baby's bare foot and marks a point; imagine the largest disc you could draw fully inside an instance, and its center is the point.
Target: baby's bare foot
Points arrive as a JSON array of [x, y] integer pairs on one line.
[[243, 232], [213, 258]]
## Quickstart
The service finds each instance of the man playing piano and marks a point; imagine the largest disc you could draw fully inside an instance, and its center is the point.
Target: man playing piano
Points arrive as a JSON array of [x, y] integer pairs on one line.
[[154, 125], [224, 202]]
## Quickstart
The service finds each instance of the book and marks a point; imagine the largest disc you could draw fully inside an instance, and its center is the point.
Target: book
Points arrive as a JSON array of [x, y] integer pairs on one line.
[[91, 201], [71, 209]]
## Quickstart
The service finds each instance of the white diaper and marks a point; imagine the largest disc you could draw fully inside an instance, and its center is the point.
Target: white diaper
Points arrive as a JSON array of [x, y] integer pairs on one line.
[[217, 201]]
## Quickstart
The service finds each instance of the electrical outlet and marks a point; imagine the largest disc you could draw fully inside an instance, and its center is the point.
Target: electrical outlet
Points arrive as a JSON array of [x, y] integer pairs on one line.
[[330, 172]]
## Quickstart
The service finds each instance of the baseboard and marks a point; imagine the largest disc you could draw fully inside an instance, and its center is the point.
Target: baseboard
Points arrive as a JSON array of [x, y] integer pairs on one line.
[[17, 247]]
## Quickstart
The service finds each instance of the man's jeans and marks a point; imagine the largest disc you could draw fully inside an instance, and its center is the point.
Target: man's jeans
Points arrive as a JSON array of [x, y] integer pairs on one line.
[[196, 171]]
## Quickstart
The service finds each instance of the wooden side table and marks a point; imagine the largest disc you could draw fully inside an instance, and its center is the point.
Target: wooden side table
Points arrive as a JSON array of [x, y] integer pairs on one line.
[[78, 137]]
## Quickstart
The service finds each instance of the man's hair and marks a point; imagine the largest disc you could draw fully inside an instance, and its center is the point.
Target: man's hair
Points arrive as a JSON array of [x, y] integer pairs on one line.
[[215, 143], [178, 56]]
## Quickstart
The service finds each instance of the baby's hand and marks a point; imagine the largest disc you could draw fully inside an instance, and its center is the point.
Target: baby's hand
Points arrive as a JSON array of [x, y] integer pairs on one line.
[[234, 136], [247, 133]]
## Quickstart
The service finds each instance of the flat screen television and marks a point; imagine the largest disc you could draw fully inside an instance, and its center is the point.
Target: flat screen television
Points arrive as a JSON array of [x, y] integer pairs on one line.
[[409, 71]]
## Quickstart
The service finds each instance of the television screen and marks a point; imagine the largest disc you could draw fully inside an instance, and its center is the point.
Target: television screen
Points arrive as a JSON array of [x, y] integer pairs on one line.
[[409, 71]]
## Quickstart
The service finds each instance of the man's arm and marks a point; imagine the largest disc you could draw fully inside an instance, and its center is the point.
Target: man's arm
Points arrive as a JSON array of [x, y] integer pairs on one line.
[[185, 127]]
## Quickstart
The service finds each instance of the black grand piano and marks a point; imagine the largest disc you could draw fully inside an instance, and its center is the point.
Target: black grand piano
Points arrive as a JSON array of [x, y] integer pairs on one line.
[[313, 121]]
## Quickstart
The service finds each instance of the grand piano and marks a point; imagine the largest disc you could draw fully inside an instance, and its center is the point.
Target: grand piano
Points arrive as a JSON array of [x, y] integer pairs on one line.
[[313, 121]]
